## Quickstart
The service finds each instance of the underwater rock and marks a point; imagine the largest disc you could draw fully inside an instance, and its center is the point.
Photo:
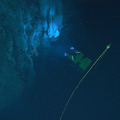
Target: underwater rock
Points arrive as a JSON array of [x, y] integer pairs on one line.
[[24, 26]]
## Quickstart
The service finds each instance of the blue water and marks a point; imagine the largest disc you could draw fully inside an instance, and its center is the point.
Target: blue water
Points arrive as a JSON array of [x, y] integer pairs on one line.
[[97, 97]]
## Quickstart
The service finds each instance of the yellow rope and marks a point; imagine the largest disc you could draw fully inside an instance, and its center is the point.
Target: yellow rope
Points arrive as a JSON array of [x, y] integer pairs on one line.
[[108, 47]]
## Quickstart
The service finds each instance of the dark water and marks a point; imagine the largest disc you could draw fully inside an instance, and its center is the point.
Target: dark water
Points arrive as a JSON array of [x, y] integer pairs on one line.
[[97, 98]]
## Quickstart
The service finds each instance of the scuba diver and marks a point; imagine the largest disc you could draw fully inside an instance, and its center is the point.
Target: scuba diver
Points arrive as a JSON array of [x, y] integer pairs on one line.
[[78, 59]]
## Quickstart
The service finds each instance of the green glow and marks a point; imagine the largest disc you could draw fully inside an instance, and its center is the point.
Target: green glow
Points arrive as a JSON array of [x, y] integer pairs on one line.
[[108, 46]]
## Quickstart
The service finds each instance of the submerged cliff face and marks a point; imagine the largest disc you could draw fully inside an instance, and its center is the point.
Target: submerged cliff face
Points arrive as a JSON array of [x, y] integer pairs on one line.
[[24, 26]]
